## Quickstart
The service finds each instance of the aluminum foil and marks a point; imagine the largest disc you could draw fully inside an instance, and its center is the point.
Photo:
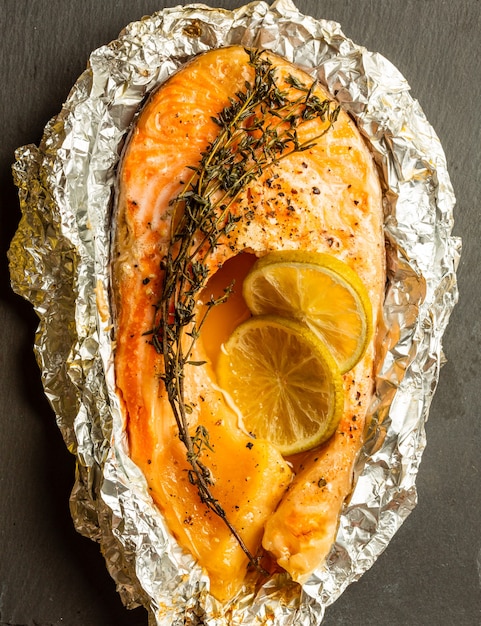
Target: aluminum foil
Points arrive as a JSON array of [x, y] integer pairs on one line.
[[59, 260]]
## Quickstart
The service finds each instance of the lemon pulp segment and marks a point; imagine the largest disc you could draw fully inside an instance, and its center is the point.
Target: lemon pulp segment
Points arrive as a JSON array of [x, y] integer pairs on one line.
[[284, 382], [318, 290]]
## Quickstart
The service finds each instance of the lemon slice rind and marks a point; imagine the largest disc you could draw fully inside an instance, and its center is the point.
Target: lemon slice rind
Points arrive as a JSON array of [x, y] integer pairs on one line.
[[284, 382], [318, 290]]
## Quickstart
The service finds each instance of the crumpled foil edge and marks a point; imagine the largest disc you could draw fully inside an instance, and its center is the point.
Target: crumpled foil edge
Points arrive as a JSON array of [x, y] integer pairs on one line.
[[59, 260]]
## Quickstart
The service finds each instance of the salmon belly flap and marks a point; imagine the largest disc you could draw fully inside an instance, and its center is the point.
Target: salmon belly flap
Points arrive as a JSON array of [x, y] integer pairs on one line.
[[325, 198]]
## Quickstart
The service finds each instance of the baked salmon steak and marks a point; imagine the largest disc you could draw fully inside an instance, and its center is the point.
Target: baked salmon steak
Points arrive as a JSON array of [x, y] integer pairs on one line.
[[243, 185]]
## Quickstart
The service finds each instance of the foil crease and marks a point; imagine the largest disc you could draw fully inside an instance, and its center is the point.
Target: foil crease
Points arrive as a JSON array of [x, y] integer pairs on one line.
[[59, 260]]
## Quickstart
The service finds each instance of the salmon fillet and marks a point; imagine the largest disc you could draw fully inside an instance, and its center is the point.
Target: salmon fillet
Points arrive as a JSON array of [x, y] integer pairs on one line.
[[324, 199]]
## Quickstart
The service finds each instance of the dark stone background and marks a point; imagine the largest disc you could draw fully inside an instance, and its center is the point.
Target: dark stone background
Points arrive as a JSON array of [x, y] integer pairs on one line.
[[430, 573]]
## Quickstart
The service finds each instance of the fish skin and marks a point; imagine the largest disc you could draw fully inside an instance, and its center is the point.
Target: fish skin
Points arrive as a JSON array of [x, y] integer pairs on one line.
[[326, 199]]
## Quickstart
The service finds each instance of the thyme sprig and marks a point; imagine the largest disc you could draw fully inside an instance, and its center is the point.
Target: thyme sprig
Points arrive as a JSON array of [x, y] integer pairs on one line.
[[257, 130]]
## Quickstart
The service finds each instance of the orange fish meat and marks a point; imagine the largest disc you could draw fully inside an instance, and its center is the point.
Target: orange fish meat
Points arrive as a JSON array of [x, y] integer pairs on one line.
[[326, 199]]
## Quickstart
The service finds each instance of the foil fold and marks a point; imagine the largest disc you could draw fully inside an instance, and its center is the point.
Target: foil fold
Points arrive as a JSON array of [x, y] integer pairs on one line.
[[59, 260]]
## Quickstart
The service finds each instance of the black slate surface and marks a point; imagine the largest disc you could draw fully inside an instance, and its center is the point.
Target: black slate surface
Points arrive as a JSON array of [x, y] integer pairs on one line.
[[430, 573]]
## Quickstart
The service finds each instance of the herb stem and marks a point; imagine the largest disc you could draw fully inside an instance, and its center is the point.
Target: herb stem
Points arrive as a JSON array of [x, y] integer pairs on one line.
[[248, 143]]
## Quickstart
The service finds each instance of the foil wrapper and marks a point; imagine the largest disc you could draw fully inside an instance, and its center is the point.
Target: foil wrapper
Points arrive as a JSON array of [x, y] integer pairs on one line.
[[59, 260]]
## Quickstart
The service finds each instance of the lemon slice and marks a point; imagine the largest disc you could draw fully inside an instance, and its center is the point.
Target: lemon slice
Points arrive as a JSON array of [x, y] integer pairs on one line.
[[284, 382], [318, 290]]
